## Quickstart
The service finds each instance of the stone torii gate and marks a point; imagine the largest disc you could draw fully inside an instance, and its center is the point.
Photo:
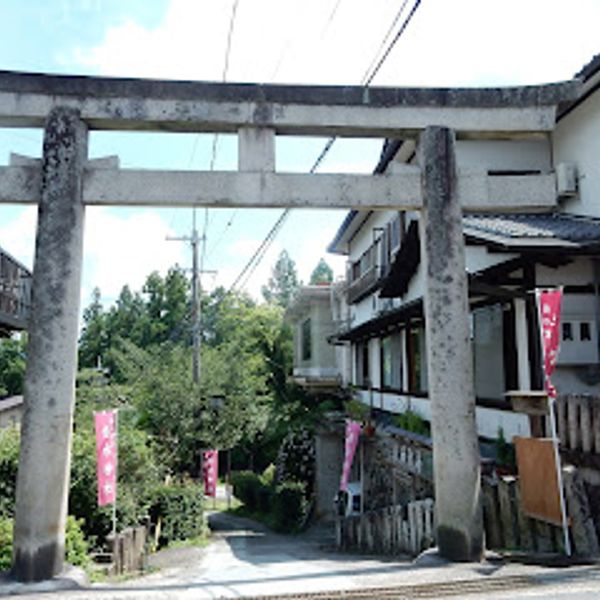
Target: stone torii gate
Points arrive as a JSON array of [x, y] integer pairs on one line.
[[64, 182]]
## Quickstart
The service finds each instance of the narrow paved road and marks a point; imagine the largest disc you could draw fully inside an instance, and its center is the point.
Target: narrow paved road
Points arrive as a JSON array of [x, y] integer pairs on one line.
[[246, 560]]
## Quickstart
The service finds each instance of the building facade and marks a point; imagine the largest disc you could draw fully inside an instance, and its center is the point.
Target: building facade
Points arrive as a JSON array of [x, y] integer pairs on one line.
[[381, 329]]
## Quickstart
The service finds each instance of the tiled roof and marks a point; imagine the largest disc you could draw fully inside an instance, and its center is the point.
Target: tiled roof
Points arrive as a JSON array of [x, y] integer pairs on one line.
[[575, 229], [588, 70]]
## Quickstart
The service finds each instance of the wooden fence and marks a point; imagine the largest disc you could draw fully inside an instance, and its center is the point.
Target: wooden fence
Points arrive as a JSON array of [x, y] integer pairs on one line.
[[578, 422], [402, 529], [508, 528], [128, 550]]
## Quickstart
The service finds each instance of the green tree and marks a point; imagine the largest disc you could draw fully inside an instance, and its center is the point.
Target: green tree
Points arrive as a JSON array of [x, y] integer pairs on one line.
[[283, 283], [322, 273], [93, 341], [12, 366]]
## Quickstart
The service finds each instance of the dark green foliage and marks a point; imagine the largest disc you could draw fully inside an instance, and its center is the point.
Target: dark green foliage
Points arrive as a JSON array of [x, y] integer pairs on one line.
[[412, 421], [12, 366], [283, 283], [9, 460], [322, 273], [296, 460], [76, 546], [6, 534], [179, 508], [289, 506], [247, 488], [138, 474], [160, 314]]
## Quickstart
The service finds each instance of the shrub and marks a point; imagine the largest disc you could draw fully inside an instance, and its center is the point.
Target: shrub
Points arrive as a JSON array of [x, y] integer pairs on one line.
[[268, 475], [246, 488], [9, 460], [289, 506], [76, 546], [180, 509], [296, 459], [412, 421], [138, 475], [6, 533]]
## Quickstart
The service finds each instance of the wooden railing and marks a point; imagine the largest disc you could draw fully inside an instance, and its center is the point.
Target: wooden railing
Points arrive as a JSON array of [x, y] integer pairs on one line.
[[507, 527], [578, 422], [358, 289], [15, 286], [402, 529]]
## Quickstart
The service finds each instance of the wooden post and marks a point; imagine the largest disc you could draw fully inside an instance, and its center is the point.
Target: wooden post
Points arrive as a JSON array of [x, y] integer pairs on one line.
[[587, 437]]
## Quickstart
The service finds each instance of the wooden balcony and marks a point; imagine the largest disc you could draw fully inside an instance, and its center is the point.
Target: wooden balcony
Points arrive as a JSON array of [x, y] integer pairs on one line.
[[15, 294], [363, 286]]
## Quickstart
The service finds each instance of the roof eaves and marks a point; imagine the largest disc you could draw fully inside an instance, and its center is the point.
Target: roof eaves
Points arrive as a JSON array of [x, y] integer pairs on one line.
[[590, 69]]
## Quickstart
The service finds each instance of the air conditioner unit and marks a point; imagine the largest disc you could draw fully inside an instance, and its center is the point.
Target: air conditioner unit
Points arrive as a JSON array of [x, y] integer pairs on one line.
[[566, 180]]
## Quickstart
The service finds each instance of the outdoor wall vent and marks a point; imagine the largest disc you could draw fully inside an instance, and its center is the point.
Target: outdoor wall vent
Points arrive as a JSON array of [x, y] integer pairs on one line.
[[566, 180]]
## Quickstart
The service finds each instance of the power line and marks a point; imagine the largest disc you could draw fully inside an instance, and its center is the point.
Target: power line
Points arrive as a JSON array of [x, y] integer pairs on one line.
[[254, 261], [390, 47], [367, 77], [216, 136]]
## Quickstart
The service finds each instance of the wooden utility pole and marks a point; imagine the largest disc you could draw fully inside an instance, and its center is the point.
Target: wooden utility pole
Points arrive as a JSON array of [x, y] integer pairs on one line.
[[197, 272]]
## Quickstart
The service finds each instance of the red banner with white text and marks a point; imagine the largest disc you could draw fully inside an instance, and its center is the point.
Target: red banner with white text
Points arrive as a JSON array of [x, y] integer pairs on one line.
[[210, 471], [352, 436], [106, 456], [549, 303]]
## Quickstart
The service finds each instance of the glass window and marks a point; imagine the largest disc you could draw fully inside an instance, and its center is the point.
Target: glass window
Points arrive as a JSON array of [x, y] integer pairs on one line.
[[391, 362], [567, 331], [306, 340], [488, 352], [585, 331], [417, 375], [362, 363]]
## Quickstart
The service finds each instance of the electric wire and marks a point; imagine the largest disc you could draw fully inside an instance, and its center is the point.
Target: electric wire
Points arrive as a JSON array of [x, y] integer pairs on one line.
[[215, 142], [256, 258]]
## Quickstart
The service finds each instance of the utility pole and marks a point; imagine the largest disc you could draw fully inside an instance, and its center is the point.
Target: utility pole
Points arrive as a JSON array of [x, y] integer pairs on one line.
[[197, 272]]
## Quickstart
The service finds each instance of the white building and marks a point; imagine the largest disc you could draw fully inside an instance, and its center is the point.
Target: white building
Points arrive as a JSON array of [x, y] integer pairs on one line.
[[381, 324]]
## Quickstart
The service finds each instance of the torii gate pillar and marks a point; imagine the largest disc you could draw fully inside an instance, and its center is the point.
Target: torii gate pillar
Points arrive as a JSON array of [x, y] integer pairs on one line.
[[44, 463], [450, 363]]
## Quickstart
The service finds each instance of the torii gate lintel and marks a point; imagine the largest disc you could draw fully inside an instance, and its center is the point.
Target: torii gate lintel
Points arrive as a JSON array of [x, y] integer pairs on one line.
[[65, 182]]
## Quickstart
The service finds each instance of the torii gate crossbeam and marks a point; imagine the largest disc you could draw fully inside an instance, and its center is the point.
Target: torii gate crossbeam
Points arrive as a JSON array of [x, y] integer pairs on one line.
[[65, 181]]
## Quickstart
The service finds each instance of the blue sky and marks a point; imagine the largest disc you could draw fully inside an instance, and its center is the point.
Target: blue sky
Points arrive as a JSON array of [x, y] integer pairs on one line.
[[463, 42]]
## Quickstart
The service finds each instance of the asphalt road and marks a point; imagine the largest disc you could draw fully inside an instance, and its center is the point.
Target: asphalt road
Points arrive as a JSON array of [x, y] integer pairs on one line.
[[245, 560]]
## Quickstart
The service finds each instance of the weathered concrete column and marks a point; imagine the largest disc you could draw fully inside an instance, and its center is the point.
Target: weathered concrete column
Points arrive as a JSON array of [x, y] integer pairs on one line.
[[450, 366], [43, 478]]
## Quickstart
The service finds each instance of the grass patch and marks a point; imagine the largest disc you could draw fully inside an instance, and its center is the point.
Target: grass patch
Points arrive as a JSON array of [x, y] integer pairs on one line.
[[199, 541]]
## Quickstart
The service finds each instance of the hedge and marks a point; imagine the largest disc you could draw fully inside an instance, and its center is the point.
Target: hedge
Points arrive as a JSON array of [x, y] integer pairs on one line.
[[179, 507]]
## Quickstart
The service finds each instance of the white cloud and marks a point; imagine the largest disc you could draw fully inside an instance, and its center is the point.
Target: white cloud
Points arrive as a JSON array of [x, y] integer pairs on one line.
[[122, 249], [447, 43], [463, 42]]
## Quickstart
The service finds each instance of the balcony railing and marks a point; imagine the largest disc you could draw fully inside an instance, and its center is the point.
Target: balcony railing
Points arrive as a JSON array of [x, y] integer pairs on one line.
[[364, 285], [15, 293]]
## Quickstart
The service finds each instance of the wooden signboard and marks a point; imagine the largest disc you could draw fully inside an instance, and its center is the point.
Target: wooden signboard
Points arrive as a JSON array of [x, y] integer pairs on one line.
[[537, 479]]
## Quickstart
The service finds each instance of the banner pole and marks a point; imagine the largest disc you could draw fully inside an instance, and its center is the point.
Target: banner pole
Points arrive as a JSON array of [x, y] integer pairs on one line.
[[553, 429], [114, 513]]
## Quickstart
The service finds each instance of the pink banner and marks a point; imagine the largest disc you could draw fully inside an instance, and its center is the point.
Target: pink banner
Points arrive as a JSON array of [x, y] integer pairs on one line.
[[352, 435], [210, 471], [549, 302], [106, 456]]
